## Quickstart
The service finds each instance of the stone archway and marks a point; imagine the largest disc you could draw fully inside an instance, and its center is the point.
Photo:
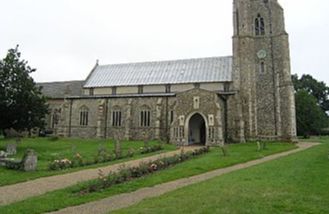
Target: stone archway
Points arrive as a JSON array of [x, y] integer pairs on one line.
[[197, 130]]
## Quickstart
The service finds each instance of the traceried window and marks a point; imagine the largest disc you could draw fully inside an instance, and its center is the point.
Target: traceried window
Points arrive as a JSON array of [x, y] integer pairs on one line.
[[259, 26], [84, 116], [116, 118], [145, 118]]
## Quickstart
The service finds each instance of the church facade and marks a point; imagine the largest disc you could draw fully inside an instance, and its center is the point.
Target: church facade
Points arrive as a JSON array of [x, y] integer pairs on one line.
[[247, 96]]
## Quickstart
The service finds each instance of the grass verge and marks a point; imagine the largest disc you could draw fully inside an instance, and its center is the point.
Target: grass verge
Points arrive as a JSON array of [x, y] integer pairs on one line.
[[294, 184], [213, 160]]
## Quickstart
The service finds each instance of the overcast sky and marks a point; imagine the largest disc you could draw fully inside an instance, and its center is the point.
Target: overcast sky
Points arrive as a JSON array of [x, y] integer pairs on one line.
[[63, 38]]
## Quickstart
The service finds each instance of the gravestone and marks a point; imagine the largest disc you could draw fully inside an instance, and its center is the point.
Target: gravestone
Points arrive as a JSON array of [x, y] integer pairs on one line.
[[3, 154], [29, 161], [11, 149]]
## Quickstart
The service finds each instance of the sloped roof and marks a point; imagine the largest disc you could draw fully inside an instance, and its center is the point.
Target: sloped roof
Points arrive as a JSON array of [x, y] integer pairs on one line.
[[213, 69], [61, 89]]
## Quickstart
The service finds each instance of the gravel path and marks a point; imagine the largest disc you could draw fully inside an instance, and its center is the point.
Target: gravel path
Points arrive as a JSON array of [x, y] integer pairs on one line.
[[127, 199], [21, 191]]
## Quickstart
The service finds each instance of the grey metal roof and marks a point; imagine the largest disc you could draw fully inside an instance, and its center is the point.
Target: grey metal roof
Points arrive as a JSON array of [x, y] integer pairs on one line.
[[213, 69], [61, 89]]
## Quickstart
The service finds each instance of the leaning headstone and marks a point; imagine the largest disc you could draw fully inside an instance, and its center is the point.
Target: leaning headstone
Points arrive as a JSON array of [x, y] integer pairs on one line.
[[11, 149], [29, 161]]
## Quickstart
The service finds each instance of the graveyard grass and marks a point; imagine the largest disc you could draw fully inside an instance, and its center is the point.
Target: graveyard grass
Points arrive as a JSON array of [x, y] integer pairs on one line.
[[294, 184], [48, 150], [237, 153]]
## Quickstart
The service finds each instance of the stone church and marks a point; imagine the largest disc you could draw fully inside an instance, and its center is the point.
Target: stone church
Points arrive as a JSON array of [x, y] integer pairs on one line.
[[247, 96]]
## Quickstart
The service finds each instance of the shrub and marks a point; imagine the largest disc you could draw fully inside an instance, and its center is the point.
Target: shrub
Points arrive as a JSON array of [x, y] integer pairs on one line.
[[102, 155], [145, 150], [60, 164], [127, 173], [130, 152], [77, 160]]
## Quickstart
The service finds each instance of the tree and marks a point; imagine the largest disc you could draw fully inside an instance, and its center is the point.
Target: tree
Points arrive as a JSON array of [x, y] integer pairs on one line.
[[311, 119], [318, 89], [312, 103], [22, 105]]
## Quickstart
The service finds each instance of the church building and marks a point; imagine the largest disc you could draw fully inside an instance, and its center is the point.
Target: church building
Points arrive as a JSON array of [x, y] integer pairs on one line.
[[214, 100]]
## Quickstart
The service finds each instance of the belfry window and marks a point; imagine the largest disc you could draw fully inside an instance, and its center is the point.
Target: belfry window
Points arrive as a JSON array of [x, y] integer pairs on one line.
[[84, 116], [259, 25]]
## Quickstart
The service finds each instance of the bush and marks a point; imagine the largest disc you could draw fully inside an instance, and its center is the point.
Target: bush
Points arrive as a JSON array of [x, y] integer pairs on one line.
[[77, 160], [102, 156], [60, 164], [127, 173], [155, 148]]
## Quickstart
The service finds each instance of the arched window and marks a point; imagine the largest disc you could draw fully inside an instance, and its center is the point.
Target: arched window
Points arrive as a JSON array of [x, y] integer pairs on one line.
[[84, 116], [116, 117], [145, 117], [259, 25]]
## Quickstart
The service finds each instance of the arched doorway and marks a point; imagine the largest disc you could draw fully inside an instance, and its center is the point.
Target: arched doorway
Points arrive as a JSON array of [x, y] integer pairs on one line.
[[197, 130]]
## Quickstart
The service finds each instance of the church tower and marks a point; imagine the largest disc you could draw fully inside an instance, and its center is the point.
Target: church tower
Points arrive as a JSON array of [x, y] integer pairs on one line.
[[261, 64]]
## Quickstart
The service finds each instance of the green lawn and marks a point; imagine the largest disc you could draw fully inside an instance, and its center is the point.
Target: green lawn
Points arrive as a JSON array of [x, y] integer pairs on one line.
[[48, 150], [213, 160], [295, 184]]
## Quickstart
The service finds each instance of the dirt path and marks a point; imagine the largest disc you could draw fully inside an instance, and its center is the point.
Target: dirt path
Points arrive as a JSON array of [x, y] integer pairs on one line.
[[21, 191], [127, 199]]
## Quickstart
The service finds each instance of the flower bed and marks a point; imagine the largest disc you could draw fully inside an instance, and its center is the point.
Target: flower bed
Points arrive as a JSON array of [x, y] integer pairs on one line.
[[101, 157], [128, 173]]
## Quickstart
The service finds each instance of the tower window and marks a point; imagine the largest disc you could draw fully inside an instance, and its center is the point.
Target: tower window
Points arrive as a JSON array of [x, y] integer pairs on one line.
[[171, 115], [259, 25], [262, 67]]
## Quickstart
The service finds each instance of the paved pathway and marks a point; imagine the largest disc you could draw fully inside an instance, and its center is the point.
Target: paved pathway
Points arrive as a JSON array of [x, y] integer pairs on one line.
[[21, 191], [127, 199]]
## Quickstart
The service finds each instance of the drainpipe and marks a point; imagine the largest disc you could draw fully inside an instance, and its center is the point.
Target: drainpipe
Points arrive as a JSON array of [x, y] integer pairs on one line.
[[70, 117], [167, 123], [224, 98], [106, 116]]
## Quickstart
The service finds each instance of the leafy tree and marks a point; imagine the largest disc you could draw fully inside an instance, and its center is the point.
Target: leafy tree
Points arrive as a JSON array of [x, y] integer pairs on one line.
[[318, 89], [311, 119], [22, 105], [312, 103]]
